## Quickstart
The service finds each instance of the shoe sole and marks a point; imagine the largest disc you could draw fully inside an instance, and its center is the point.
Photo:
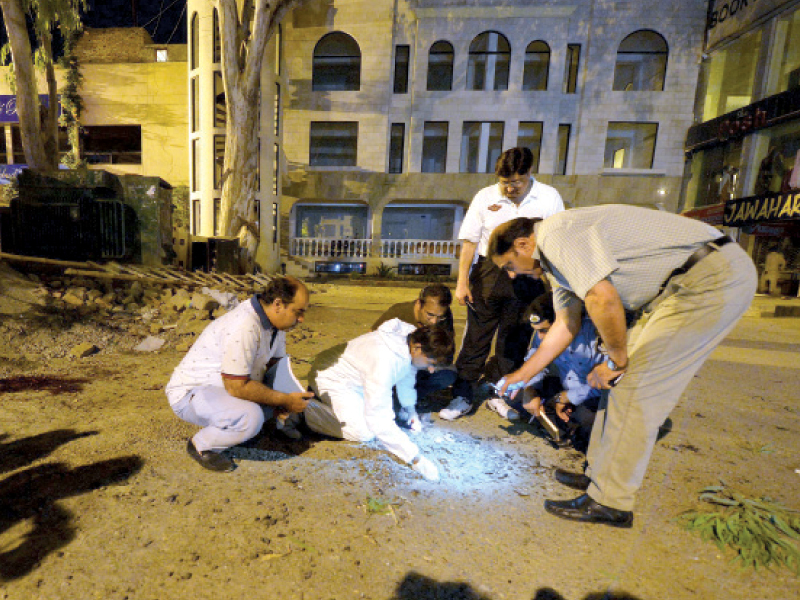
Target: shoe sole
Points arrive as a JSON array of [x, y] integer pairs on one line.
[[507, 417], [589, 521]]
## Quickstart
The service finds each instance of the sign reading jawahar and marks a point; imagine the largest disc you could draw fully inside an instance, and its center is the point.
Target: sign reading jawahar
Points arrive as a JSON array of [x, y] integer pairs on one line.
[[727, 17], [757, 209]]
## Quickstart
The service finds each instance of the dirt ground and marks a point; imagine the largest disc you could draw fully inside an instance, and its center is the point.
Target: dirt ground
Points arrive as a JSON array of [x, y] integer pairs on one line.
[[98, 498]]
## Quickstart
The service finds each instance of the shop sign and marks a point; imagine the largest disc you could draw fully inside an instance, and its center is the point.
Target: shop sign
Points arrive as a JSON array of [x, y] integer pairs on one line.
[[764, 113], [8, 107], [707, 214], [758, 209], [727, 17]]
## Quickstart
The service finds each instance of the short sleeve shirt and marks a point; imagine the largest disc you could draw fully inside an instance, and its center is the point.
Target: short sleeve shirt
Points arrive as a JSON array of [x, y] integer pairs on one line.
[[635, 248], [240, 344], [490, 208]]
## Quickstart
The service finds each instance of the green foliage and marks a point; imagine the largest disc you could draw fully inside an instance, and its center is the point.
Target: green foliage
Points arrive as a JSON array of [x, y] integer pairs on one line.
[[384, 270], [71, 101], [180, 206], [761, 532]]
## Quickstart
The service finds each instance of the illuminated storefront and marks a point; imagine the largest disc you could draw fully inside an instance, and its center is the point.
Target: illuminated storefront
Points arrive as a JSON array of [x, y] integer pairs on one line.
[[743, 156]]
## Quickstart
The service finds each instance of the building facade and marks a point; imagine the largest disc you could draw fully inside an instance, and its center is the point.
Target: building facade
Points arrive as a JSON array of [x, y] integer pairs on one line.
[[743, 172], [396, 111]]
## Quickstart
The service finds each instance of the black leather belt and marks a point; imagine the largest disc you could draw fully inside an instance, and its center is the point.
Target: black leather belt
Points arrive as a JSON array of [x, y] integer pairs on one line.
[[696, 257]]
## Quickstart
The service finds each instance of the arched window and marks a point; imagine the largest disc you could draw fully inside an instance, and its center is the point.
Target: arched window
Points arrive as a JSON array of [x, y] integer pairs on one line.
[[537, 66], [489, 55], [195, 41], [641, 62], [215, 34], [440, 67], [337, 64]]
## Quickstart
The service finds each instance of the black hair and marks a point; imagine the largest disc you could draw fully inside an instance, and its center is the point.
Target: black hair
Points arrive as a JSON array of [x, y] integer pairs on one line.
[[541, 308], [514, 161], [503, 236], [435, 341], [439, 291], [283, 288]]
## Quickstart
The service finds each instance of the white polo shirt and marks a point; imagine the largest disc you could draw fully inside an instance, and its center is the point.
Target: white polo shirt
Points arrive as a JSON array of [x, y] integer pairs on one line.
[[490, 208], [240, 343]]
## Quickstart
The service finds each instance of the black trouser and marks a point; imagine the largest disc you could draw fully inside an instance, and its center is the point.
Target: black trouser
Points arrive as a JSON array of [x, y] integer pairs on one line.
[[498, 302]]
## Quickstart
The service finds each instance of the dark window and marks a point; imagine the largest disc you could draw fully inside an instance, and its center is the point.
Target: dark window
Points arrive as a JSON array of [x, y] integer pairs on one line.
[[571, 69], [396, 143], [481, 144], [563, 148], [217, 45], [641, 63], [195, 41], [275, 216], [112, 144], [276, 170], [195, 165], [219, 160], [530, 136], [434, 147], [196, 211], [195, 104], [489, 57], [16, 146], [630, 145], [278, 50], [336, 64], [217, 216], [220, 106], [440, 67], [537, 66], [401, 61], [333, 144]]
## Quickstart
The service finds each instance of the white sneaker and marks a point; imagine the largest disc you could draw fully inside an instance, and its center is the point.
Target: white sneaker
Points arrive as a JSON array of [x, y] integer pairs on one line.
[[457, 408], [500, 406]]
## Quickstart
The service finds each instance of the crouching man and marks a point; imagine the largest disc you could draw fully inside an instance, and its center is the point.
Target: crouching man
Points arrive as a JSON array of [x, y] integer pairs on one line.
[[355, 387], [218, 384]]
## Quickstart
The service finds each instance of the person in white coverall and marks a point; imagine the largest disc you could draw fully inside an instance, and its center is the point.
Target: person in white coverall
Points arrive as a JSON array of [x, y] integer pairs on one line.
[[355, 387]]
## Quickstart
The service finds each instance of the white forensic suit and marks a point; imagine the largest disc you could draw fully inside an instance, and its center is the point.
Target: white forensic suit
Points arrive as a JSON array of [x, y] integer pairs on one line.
[[357, 386]]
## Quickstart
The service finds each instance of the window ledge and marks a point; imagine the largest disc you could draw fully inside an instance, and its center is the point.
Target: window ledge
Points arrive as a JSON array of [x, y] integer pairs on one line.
[[321, 168], [633, 172]]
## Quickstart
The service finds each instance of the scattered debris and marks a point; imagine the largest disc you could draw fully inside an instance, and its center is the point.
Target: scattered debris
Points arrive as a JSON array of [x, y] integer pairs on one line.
[[760, 531], [83, 350], [150, 344]]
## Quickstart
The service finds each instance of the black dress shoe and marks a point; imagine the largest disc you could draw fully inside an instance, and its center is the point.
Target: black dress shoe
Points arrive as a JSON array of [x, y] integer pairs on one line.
[[583, 508], [577, 481], [213, 461]]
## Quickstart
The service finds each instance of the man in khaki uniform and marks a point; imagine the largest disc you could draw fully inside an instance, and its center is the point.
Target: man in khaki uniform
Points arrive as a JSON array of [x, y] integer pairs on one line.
[[688, 284]]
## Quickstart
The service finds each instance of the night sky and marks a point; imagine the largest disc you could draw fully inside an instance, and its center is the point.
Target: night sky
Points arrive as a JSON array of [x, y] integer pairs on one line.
[[170, 27]]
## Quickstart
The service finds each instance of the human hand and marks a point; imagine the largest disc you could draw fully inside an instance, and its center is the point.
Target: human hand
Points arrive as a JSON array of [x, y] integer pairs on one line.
[[411, 419], [564, 407], [510, 384], [463, 295], [603, 378], [297, 401], [426, 468], [533, 406]]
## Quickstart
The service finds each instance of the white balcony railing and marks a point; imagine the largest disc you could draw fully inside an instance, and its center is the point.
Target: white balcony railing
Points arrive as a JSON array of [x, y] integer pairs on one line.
[[362, 248], [331, 247], [419, 248]]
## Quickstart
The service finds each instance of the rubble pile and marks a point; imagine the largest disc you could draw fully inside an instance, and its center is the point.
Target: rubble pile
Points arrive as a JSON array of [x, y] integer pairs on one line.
[[75, 315]]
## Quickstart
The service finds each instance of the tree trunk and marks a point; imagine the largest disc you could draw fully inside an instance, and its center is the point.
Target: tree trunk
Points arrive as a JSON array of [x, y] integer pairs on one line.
[[49, 120], [240, 172], [27, 93]]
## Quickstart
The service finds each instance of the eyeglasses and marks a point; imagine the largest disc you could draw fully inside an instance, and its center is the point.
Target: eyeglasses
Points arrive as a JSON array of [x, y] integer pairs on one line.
[[516, 184]]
